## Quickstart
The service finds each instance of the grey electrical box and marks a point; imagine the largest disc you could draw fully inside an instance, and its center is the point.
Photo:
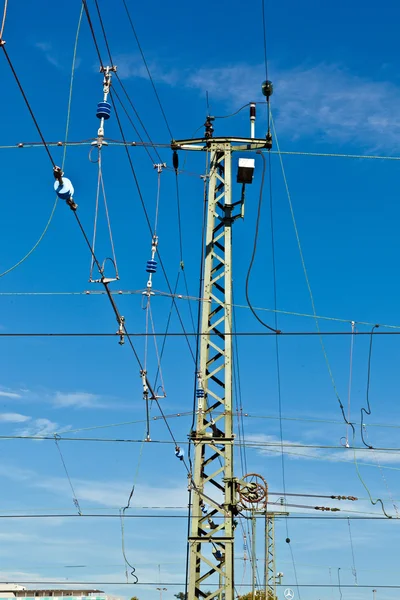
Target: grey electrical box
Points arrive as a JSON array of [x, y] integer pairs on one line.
[[245, 172]]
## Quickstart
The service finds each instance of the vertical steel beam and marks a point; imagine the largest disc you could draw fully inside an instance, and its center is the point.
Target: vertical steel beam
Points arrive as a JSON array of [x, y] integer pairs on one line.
[[253, 555]]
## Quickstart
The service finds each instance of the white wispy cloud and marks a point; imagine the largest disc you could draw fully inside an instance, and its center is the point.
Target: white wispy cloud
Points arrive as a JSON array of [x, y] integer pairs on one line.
[[47, 49], [325, 101], [39, 427], [10, 394], [270, 445], [114, 494], [131, 65], [76, 399], [13, 418]]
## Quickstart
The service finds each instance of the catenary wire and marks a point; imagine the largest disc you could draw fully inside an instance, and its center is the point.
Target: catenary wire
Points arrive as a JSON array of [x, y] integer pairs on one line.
[[308, 280], [200, 299], [3, 21], [247, 443], [89, 20], [74, 496], [353, 568], [147, 68], [367, 410], [28, 145], [115, 93], [139, 119], [333, 382], [150, 227], [50, 219], [188, 334], [264, 25], [277, 354], [122, 85], [137, 186], [2, 45], [182, 583], [240, 413]]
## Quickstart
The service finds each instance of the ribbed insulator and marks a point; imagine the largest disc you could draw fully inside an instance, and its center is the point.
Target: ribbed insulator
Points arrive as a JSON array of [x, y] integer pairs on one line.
[[199, 393], [151, 266], [103, 110]]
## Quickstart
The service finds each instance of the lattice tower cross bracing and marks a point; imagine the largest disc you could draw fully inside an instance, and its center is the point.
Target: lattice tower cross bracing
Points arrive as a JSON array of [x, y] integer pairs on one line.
[[214, 500]]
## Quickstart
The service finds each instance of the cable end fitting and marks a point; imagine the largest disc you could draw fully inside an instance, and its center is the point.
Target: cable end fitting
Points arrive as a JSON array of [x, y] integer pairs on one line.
[[73, 205], [58, 173]]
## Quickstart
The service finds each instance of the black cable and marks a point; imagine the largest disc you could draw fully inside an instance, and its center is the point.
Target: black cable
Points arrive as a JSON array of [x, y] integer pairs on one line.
[[166, 332], [238, 394], [137, 441], [147, 68], [122, 85], [181, 261], [189, 334], [27, 103], [174, 516], [74, 498], [367, 410], [278, 367], [89, 20], [115, 93], [255, 250], [339, 585], [231, 115], [178, 209], [181, 583], [264, 39], [104, 32], [138, 118]]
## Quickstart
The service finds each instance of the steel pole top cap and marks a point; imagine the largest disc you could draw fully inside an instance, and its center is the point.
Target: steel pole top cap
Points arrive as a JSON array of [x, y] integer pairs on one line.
[[267, 88]]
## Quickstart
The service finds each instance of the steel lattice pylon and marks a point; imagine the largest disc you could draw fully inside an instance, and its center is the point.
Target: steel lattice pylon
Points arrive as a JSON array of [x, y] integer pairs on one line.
[[270, 569], [214, 501], [211, 540]]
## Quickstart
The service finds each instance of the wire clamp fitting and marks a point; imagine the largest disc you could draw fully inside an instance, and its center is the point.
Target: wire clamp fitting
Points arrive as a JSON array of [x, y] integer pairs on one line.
[[121, 331], [143, 374], [160, 167]]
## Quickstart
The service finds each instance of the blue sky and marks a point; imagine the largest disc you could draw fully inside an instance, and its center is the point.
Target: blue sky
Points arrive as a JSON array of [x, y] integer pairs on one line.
[[335, 74]]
